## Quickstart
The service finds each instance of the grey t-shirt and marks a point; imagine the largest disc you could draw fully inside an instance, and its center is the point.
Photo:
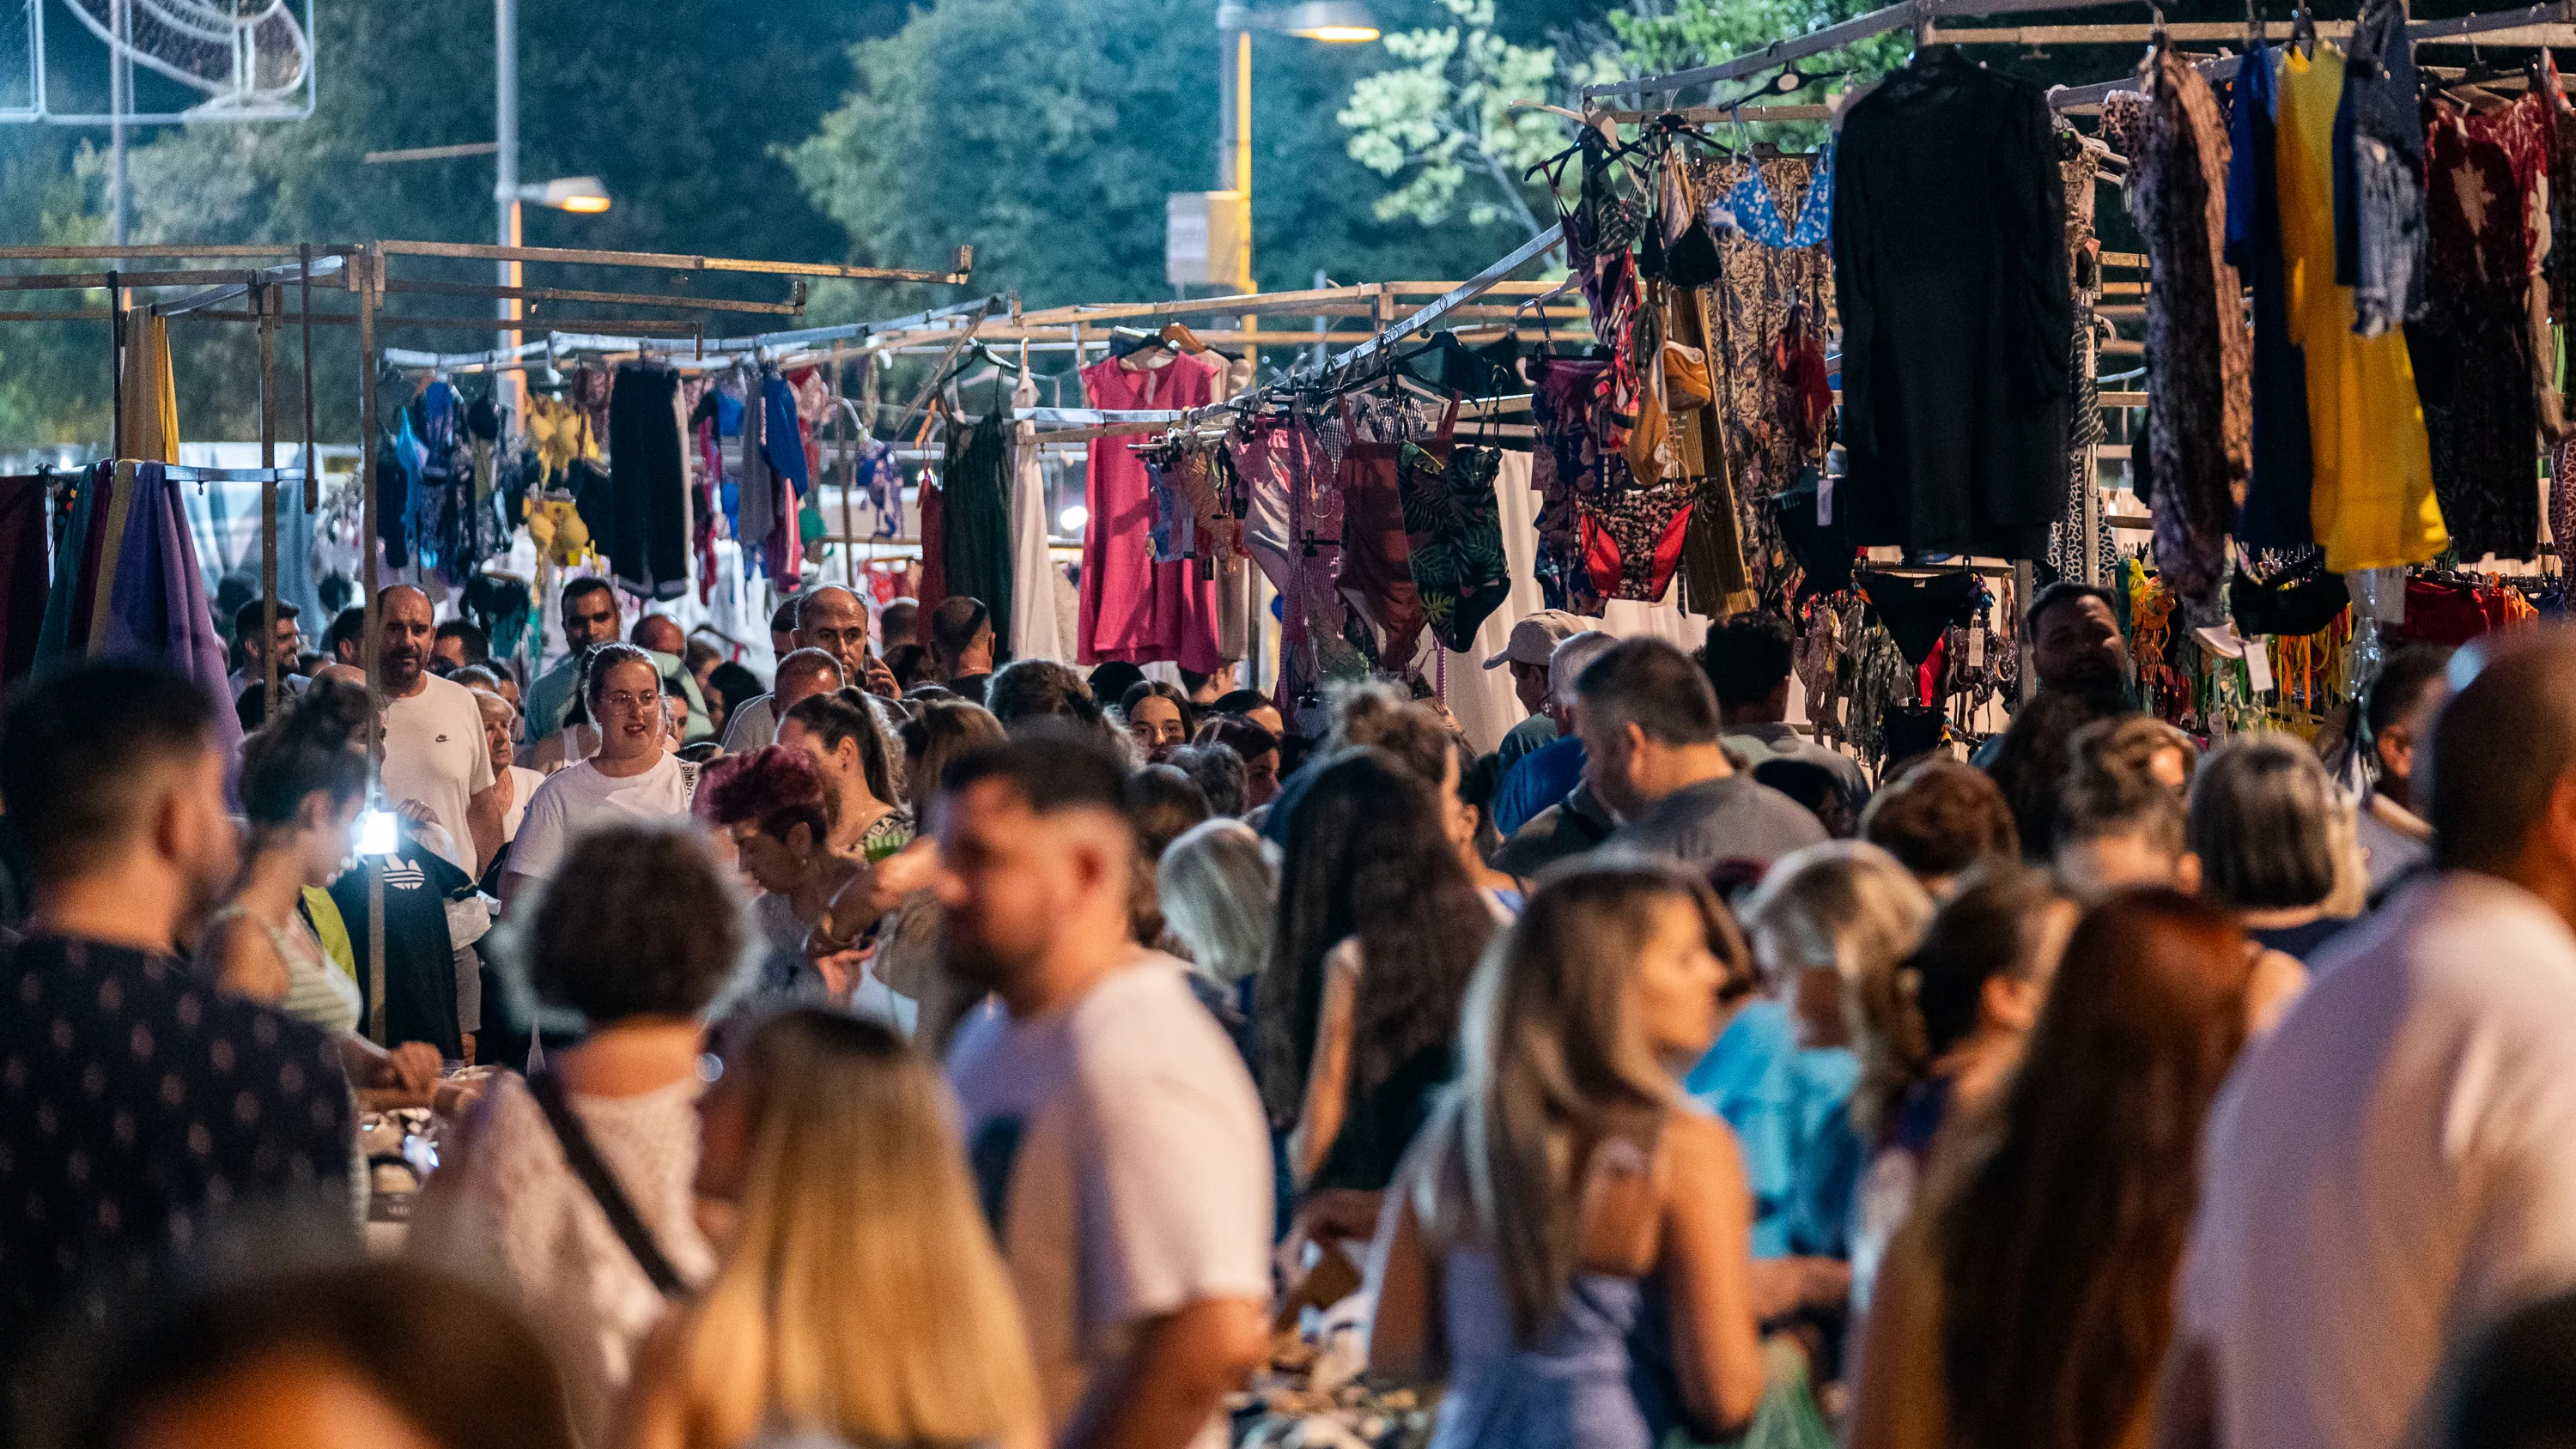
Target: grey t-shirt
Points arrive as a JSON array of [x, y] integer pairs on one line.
[[1718, 820], [1569, 827], [1787, 742]]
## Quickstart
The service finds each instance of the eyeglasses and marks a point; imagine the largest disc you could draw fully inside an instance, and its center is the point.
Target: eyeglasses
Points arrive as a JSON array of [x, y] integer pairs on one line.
[[628, 699]]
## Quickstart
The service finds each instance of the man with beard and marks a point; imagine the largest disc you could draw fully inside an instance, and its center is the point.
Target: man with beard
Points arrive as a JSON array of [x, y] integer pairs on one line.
[[2082, 665], [832, 620], [437, 770], [139, 1102], [1115, 1135], [589, 617]]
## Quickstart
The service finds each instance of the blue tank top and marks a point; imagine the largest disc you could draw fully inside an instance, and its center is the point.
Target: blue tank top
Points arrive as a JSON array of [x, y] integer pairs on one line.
[[1602, 1378]]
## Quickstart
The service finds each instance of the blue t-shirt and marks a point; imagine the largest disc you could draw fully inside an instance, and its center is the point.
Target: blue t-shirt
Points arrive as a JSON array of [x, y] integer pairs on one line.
[[1540, 779], [1788, 1109]]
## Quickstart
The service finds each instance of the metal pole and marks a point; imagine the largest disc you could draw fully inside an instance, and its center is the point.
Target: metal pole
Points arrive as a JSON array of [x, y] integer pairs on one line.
[[505, 188], [120, 78], [304, 301], [366, 262], [265, 298]]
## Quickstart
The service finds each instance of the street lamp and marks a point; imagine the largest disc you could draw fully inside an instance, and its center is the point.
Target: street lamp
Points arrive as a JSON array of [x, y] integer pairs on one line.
[[567, 193], [1209, 236]]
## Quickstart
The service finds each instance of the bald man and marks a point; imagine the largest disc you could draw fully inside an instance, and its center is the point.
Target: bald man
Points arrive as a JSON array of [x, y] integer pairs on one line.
[[660, 635], [435, 757], [830, 619], [2396, 1159]]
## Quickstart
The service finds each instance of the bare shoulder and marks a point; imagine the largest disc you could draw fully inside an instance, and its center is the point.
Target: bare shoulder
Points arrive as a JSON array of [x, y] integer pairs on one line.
[[1698, 1148]]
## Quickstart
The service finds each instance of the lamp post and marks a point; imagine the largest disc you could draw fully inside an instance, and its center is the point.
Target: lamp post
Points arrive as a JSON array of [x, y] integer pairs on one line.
[[1331, 21]]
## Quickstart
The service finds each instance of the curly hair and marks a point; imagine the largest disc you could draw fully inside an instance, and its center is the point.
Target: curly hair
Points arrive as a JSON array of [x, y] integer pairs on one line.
[[640, 921], [315, 742], [775, 787]]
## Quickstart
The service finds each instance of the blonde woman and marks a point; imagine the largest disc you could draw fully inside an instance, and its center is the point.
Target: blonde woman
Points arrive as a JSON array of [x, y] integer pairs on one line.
[[1568, 1241], [1218, 884], [859, 1299], [1829, 928]]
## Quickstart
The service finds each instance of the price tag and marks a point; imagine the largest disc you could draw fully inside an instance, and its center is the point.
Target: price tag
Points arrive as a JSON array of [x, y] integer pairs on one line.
[[1976, 648], [2258, 664], [1825, 501]]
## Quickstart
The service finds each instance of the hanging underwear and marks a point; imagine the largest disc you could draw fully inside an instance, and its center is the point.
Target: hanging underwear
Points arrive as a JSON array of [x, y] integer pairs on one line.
[[2301, 600], [1377, 569], [1823, 550], [1453, 525], [1633, 533], [1752, 211], [1917, 609]]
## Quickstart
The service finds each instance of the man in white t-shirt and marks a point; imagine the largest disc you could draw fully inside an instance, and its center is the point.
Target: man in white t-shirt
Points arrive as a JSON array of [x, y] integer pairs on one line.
[[632, 777], [2395, 1165], [1118, 1142], [437, 767]]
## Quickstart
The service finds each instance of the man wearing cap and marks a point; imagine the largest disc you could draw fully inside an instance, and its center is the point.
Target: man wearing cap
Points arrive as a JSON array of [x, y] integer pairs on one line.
[[1533, 643], [1546, 775]]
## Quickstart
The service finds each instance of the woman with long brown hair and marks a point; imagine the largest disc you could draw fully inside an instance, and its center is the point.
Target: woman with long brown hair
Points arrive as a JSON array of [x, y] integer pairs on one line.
[[1569, 1244], [2030, 1299]]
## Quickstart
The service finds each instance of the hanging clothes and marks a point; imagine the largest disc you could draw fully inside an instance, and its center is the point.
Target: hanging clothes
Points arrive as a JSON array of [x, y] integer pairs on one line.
[[1714, 579], [1566, 460], [2275, 515], [1032, 632], [2475, 363], [756, 496], [2079, 169], [127, 582], [648, 539], [2199, 423], [1377, 555], [223, 525], [2371, 491], [23, 582], [1951, 279], [1134, 609], [2379, 207], [147, 426], [561, 433], [975, 489], [933, 501], [782, 449], [1754, 320], [1454, 539]]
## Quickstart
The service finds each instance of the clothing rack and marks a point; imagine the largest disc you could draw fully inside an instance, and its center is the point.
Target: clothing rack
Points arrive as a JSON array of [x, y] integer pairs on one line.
[[1911, 14]]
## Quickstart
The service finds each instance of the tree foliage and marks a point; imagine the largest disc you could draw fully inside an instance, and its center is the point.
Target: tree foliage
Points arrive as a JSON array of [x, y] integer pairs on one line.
[[1444, 121]]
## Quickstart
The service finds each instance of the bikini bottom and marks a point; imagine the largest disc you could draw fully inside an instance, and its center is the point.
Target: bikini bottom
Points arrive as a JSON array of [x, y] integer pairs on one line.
[[1919, 608], [1633, 534]]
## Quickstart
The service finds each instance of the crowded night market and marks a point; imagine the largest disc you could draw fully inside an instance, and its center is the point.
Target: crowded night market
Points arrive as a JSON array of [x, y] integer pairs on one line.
[[1906, 780]]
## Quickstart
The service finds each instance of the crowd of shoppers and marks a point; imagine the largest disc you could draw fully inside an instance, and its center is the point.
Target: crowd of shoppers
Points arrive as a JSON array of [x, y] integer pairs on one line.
[[1006, 1059]]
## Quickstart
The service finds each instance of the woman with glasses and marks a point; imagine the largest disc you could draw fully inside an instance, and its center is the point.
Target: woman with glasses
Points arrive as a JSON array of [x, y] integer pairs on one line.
[[631, 777]]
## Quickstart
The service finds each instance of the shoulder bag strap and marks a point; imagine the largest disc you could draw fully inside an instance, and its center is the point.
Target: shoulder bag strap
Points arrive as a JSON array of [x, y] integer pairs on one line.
[[585, 1161]]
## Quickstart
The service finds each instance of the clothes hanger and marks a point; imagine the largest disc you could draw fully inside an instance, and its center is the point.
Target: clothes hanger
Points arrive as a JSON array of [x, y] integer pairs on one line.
[[1176, 335], [2303, 31]]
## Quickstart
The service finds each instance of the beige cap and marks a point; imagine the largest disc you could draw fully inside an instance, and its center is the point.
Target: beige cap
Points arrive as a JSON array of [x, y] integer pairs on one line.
[[1534, 638]]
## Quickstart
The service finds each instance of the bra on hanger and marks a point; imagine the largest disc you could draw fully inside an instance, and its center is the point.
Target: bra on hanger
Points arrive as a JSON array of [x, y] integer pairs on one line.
[[1757, 215]]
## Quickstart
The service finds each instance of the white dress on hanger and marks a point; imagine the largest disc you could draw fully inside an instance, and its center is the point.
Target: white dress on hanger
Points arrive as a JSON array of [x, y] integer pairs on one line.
[[1035, 631]]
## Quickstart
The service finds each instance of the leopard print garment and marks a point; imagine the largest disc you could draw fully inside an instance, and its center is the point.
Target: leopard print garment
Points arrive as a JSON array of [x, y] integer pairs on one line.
[[1748, 312]]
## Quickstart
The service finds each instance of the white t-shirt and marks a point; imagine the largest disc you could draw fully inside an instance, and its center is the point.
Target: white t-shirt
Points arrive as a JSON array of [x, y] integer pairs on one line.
[[2391, 1168], [578, 798], [1121, 1149], [523, 788], [434, 753]]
